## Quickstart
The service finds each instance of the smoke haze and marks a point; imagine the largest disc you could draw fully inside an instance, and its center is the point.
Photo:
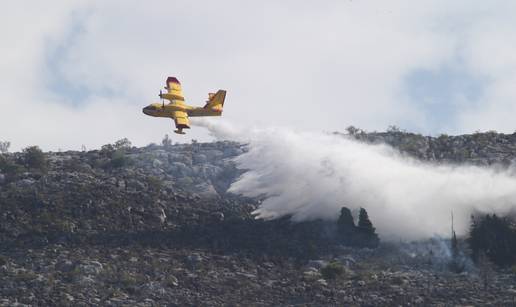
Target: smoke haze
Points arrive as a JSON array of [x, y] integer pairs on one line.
[[312, 175]]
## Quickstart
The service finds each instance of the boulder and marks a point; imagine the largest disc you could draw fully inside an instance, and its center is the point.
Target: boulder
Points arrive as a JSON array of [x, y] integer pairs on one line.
[[205, 190], [90, 267], [157, 163], [317, 264], [65, 265], [199, 159]]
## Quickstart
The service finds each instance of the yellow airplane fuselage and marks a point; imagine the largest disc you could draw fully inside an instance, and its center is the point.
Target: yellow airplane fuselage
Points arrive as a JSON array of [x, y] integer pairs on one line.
[[179, 111], [171, 110]]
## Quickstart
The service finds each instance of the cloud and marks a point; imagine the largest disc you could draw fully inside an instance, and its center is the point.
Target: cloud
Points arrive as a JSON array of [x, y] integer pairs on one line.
[[88, 66]]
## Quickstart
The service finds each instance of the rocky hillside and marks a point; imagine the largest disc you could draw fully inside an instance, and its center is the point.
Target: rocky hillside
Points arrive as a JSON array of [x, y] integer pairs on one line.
[[122, 190], [486, 148], [155, 226], [176, 194]]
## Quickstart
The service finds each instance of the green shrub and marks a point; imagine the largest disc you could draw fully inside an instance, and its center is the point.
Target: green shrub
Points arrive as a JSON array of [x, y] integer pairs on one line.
[[107, 150], [513, 269], [3, 260], [397, 280], [123, 144], [25, 276], [9, 167], [116, 153], [443, 136], [393, 129], [127, 279], [333, 270], [154, 183], [74, 164], [171, 281], [34, 158], [118, 159]]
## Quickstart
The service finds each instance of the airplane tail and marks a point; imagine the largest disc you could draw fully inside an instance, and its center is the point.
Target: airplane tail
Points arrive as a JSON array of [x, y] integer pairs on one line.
[[216, 101]]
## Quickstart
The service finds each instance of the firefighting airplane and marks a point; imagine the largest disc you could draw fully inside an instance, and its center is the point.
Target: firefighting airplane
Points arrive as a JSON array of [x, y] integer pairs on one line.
[[178, 110]]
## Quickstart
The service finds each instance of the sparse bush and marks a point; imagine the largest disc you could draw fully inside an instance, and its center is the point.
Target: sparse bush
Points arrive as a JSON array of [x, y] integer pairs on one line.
[[4, 147], [107, 150], [166, 142], [127, 279], [25, 276], [152, 146], [116, 153], [118, 159], [122, 144], [3, 260], [485, 268], [74, 164], [397, 280], [155, 184], [34, 158], [443, 137], [393, 128], [171, 281], [332, 270], [352, 130], [9, 167]]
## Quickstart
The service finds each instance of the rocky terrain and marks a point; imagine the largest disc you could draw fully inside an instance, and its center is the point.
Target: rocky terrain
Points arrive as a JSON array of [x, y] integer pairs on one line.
[[140, 275], [155, 226], [485, 148]]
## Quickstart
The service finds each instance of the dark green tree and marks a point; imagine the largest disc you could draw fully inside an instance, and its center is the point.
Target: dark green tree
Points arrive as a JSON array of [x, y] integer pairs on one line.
[[332, 270], [456, 263], [366, 230], [454, 245], [346, 226], [494, 237], [364, 223], [345, 221]]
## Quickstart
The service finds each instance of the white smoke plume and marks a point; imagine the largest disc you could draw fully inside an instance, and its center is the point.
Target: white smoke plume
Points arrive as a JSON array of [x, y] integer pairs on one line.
[[312, 175]]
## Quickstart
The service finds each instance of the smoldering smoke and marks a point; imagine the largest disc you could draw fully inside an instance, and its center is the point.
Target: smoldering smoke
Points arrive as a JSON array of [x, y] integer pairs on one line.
[[312, 175]]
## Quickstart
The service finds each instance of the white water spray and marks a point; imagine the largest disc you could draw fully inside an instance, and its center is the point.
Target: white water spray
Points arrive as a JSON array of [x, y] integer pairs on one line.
[[312, 175]]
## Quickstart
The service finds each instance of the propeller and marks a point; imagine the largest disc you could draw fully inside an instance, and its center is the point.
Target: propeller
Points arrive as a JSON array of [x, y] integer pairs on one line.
[[162, 100]]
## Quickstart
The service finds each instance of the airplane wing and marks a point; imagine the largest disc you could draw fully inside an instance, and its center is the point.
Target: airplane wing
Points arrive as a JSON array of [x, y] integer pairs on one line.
[[181, 120], [174, 90]]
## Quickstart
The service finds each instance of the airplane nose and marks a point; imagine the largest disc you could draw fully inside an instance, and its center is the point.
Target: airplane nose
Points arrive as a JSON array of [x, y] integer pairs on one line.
[[149, 110]]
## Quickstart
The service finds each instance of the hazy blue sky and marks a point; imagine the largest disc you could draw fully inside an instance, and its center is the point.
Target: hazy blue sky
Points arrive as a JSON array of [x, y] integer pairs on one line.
[[79, 72]]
